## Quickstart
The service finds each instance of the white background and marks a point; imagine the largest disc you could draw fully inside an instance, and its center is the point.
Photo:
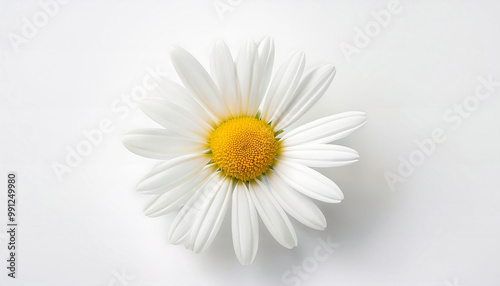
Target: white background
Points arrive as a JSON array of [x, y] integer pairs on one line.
[[439, 225]]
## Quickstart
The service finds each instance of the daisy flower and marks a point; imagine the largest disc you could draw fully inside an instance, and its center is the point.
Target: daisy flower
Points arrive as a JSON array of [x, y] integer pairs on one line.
[[226, 145]]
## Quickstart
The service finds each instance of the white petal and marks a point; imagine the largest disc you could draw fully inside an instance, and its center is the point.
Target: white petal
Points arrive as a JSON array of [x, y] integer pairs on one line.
[[310, 90], [183, 97], [326, 129], [171, 173], [160, 143], [166, 203], [308, 181], [248, 75], [295, 204], [319, 155], [272, 215], [244, 224], [198, 81], [175, 118], [283, 86], [180, 229], [266, 61], [175, 198], [211, 214], [224, 74]]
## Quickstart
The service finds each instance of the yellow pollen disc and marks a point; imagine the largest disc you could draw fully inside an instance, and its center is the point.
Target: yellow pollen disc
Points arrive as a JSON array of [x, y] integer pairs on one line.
[[243, 148]]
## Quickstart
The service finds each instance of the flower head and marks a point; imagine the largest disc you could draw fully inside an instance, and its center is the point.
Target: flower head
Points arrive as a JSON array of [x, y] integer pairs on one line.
[[225, 141]]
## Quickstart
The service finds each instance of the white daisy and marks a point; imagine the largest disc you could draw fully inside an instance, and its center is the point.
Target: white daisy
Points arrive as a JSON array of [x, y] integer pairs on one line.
[[224, 142]]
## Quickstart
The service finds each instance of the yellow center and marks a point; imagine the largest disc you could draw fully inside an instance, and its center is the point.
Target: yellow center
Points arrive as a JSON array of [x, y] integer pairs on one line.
[[243, 148]]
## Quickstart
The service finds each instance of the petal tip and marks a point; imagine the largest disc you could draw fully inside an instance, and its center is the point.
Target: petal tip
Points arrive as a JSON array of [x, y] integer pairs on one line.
[[140, 186], [147, 212], [175, 49], [220, 44], [125, 140], [330, 68], [300, 54], [144, 104]]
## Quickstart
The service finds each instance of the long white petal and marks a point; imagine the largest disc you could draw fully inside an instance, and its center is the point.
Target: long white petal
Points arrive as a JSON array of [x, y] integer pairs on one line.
[[248, 74], [319, 155], [174, 117], [183, 97], [295, 204], [198, 81], [178, 196], [310, 90], [180, 229], [224, 74], [272, 215], [283, 86], [211, 214], [326, 129], [266, 61], [166, 203], [171, 173], [309, 182], [158, 143], [244, 224]]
